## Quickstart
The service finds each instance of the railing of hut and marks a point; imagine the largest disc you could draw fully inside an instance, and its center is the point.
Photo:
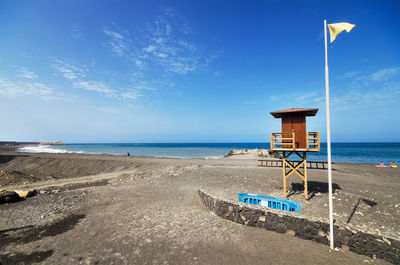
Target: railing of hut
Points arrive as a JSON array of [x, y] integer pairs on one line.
[[286, 141]]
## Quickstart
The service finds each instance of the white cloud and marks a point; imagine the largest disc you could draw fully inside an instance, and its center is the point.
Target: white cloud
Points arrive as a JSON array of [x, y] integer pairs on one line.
[[164, 46], [362, 80], [362, 98], [118, 42], [25, 73], [351, 74], [93, 86], [69, 71], [384, 74], [10, 88], [150, 48], [308, 95], [132, 94]]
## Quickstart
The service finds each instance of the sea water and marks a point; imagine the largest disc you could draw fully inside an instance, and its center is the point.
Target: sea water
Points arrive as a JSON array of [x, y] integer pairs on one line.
[[341, 152]]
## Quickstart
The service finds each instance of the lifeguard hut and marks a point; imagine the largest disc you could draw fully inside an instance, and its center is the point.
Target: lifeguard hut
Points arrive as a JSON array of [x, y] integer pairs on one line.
[[294, 139]]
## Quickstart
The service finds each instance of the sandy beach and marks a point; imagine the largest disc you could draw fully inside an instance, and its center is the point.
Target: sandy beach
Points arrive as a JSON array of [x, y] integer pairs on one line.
[[103, 209]]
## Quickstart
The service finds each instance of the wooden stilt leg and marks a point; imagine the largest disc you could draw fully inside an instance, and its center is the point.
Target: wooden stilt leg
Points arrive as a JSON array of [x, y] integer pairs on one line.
[[284, 174], [305, 175]]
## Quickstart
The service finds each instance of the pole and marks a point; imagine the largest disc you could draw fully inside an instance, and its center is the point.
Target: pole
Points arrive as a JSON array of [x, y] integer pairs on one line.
[[328, 141]]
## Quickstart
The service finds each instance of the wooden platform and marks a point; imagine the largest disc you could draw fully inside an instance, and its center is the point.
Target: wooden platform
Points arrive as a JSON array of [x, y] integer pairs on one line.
[[289, 142], [278, 163]]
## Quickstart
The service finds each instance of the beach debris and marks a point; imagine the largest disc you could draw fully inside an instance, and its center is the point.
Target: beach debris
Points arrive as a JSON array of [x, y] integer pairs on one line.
[[26, 193], [15, 196], [9, 197], [344, 249]]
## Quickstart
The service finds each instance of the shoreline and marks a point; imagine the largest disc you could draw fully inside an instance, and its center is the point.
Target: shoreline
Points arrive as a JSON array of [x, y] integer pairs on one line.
[[232, 154]]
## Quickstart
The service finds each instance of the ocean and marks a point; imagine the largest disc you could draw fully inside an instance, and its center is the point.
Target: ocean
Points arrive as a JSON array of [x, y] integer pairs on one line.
[[341, 152]]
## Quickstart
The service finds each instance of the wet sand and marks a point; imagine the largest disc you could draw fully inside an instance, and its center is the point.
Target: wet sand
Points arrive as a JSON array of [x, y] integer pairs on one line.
[[101, 209]]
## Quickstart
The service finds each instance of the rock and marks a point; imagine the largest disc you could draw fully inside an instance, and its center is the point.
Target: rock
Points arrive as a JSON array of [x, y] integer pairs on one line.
[[291, 233], [344, 249], [9, 196], [321, 233], [262, 218], [387, 241], [392, 257]]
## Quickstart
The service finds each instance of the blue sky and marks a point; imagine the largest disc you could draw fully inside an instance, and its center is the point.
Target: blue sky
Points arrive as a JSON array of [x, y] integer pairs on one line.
[[195, 71]]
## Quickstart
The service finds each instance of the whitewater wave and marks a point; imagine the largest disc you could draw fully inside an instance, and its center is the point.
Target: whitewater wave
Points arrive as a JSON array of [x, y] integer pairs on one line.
[[45, 149], [213, 157]]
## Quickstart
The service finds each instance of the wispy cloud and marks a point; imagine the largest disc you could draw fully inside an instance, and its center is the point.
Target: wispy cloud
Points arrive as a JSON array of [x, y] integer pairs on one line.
[[25, 73], [309, 96], [384, 74], [68, 70], [168, 46], [163, 46], [94, 86], [131, 94], [118, 42], [360, 79], [83, 78], [350, 74], [355, 98], [9, 88]]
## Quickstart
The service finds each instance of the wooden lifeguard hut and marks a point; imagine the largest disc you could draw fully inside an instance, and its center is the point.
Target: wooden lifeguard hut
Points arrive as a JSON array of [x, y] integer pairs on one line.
[[294, 139]]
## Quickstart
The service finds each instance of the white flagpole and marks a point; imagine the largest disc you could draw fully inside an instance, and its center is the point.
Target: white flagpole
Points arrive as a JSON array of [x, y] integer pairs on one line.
[[328, 141]]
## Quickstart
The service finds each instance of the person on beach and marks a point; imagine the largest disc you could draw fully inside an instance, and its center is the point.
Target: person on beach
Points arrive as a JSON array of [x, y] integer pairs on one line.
[[393, 164], [381, 164]]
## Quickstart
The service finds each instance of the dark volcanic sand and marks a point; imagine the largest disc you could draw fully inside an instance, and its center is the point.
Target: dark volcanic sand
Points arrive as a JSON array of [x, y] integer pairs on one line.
[[99, 209]]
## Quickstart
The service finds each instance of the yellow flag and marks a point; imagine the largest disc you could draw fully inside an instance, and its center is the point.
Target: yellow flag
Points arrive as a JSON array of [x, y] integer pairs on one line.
[[337, 28]]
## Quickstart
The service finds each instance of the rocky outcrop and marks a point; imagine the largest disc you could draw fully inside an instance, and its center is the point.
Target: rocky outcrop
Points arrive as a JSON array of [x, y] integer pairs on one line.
[[52, 143], [356, 241], [253, 153]]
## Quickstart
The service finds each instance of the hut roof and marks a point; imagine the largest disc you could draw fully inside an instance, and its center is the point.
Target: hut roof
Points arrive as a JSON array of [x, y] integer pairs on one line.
[[294, 111]]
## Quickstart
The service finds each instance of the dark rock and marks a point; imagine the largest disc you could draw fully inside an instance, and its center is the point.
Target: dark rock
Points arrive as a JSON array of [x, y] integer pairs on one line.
[[32, 193], [379, 255], [315, 225], [309, 229], [321, 240], [372, 247], [392, 257], [9, 196], [358, 248], [343, 236], [395, 244], [280, 228]]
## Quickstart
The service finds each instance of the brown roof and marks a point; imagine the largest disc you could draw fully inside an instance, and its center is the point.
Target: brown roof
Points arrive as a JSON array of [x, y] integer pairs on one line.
[[295, 111]]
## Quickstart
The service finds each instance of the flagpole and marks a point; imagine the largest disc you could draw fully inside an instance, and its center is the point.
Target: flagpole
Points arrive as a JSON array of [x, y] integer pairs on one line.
[[328, 141]]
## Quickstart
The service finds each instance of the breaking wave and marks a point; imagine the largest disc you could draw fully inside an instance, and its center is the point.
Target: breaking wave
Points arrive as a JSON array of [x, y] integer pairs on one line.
[[44, 149]]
